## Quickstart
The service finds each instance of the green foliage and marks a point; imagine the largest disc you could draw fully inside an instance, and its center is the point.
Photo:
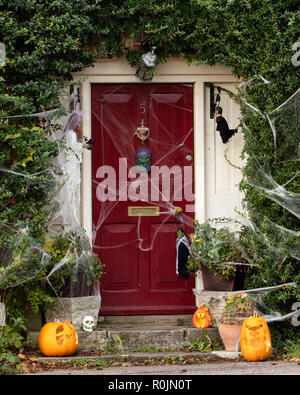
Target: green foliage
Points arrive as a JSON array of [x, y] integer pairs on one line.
[[238, 307], [26, 181], [285, 338], [22, 258], [10, 338], [10, 342], [47, 42], [82, 362], [212, 248], [115, 345], [26, 188], [293, 349], [271, 250], [207, 345], [37, 298], [239, 302], [9, 363], [78, 264]]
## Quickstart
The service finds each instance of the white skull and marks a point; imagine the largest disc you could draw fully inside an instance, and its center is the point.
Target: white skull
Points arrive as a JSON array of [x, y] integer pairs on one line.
[[88, 323]]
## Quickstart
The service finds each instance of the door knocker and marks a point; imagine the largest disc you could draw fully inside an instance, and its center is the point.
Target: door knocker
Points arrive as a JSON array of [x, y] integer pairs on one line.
[[142, 132]]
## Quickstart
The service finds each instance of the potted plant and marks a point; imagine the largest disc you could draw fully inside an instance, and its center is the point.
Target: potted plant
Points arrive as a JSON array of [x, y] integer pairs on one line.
[[23, 265], [73, 277], [238, 307], [215, 252]]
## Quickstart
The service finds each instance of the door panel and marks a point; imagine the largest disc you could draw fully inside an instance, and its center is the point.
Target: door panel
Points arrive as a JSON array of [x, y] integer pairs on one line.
[[163, 258], [122, 273], [139, 252]]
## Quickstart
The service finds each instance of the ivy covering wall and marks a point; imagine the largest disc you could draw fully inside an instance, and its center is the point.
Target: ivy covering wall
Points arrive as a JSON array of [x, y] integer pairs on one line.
[[46, 41]]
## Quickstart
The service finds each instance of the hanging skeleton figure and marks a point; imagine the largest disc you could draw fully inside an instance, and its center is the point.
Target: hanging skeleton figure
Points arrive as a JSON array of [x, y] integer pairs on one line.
[[183, 251], [222, 126]]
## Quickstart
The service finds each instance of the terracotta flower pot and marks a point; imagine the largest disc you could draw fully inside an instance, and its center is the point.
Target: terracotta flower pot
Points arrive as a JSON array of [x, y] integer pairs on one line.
[[212, 282], [230, 335]]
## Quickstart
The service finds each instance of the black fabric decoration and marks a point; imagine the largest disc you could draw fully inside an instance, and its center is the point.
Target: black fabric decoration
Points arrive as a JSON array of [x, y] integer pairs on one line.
[[183, 252], [222, 127]]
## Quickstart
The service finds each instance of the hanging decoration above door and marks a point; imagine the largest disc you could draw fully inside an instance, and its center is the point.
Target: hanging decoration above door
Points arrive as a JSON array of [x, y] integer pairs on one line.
[[183, 251], [216, 110], [148, 61], [143, 160], [222, 126]]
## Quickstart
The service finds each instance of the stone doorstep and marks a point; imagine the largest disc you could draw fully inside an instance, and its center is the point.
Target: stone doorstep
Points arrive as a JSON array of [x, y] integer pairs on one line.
[[131, 357], [140, 357], [149, 319], [128, 339], [34, 321]]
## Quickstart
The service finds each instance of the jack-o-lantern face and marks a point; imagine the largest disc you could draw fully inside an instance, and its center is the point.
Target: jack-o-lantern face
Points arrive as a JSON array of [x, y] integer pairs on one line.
[[255, 339], [58, 339], [201, 318]]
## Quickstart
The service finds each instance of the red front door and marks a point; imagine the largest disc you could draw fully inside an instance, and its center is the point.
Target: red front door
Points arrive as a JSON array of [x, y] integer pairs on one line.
[[134, 212]]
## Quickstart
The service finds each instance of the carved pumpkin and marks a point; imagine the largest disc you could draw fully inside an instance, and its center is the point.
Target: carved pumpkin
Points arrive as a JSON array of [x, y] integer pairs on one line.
[[58, 339], [255, 339], [201, 318]]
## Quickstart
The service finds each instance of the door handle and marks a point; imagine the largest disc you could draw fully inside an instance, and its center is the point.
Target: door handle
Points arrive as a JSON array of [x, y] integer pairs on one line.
[[178, 211]]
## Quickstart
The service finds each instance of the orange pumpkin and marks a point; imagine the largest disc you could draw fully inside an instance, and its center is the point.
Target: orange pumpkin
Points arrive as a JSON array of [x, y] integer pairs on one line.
[[255, 339], [58, 339], [201, 318]]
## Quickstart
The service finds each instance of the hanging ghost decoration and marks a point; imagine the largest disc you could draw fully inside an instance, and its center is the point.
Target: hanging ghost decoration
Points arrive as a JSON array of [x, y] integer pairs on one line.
[[143, 160], [222, 126], [69, 161], [183, 250]]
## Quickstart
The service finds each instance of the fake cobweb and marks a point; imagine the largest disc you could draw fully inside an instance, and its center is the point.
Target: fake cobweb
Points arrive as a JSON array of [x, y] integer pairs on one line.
[[284, 122], [65, 258], [275, 243], [280, 244], [121, 139]]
